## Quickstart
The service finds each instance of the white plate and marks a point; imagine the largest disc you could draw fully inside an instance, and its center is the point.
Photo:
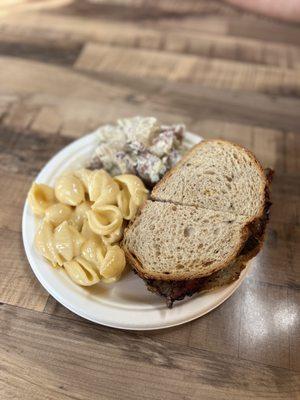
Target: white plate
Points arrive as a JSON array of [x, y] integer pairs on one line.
[[126, 304]]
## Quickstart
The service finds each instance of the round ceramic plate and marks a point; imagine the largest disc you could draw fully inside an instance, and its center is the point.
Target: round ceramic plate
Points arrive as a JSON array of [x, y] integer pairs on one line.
[[126, 304]]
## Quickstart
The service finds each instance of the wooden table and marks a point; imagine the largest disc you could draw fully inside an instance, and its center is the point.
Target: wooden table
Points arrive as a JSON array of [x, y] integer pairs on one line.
[[67, 67]]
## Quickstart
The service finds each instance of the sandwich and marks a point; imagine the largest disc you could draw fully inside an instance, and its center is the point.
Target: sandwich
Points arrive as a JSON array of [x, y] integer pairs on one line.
[[203, 222]]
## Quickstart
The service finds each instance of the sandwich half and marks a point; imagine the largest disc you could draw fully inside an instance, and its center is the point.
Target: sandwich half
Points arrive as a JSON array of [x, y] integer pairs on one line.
[[206, 218]]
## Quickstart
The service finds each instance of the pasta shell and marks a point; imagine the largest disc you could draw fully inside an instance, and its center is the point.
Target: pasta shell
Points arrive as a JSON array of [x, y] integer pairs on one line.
[[79, 214], [45, 243], [114, 262], [113, 237], [85, 176], [86, 231], [81, 272], [68, 241], [105, 219], [69, 190], [58, 213], [135, 187], [64, 241], [102, 189], [78, 240], [93, 251], [40, 197], [125, 203]]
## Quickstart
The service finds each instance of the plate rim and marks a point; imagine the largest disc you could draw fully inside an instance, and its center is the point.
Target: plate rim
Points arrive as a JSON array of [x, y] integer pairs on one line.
[[228, 289]]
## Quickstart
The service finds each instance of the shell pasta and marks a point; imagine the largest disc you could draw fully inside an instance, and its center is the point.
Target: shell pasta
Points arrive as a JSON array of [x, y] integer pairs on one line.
[[113, 263], [40, 198], [82, 272], [83, 219], [69, 190], [105, 219], [131, 196]]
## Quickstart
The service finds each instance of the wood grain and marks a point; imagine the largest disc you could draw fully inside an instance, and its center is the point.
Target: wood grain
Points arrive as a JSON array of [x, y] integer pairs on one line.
[[96, 357], [18, 286], [186, 68], [68, 66], [219, 332], [72, 31], [264, 320], [294, 328]]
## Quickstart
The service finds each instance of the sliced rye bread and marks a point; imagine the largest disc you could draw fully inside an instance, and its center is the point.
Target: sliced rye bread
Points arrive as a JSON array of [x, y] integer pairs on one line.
[[178, 242], [216, 175], [178, 290]]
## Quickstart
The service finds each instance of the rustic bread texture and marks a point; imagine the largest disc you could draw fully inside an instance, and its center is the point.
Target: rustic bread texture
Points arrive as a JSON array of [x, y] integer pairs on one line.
[[216, 175], [208, 212], [175, 242]]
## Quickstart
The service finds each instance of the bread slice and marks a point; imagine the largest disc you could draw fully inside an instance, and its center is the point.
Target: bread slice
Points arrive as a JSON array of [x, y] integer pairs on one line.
[[216, 175], [177, 242]]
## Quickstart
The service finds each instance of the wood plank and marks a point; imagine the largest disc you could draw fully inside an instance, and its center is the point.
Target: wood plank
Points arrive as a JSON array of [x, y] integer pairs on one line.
[[292, 145], [132, 62], [214, 129], [177, 334], [57, 53], [83, 360], [264, 323], [187, 68], [292, 325], [12, 200], [18, 285], [266, 29], [25, 154], [47, 121], [278, 261], [17, 6], [20, 116], [218, 331], [213, 16], [76, 103], [232, 106], [270, 148], [133, 9], [25, 77], [232, 22], [63, 41], [81, 103], [192, 16], [6, 101]]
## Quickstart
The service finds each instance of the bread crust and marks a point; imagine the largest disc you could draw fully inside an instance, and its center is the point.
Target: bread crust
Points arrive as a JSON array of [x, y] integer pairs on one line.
[[250, 229]]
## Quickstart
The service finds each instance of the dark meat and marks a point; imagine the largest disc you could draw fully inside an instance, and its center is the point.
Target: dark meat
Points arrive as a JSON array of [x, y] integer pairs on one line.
[[178, 290]]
